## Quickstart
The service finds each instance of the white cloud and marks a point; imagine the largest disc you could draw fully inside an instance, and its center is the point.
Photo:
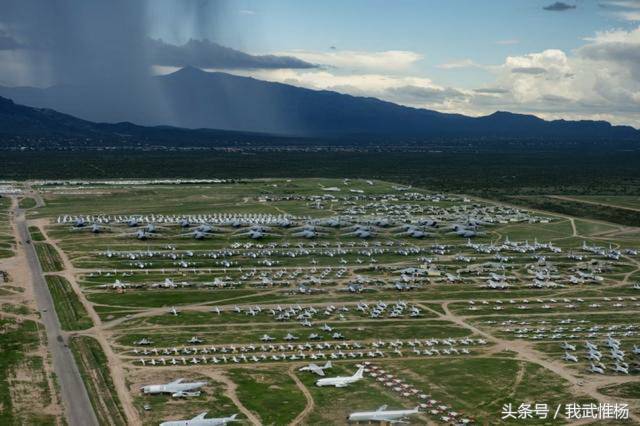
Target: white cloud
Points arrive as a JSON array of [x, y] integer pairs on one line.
[[463, 63], [599, 80], [389, 60]]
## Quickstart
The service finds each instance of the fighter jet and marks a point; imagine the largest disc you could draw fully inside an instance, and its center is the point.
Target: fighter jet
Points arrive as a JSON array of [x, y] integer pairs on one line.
[[172, 388], [590, 345], [319, 370], [117, 285], [620, 369], [341, 381], [595, 369], [567, 346], [382, 415], [199, 420], [569, 357], [266, 338]]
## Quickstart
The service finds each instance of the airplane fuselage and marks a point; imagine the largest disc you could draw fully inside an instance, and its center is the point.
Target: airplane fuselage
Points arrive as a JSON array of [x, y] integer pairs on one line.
[[381, 416]]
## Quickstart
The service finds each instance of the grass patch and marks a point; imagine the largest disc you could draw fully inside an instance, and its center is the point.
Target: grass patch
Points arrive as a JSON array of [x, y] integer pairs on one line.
[[271, 394], [92, 363], [27, 203], [48, 257], [17, 339], [36, 234], [71, 313]]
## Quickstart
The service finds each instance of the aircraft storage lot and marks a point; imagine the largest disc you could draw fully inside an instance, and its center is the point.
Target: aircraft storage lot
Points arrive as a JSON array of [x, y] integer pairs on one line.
[[464, 304]]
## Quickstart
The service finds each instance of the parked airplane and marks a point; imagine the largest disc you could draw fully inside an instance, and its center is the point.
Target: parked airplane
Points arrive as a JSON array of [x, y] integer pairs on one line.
[[382, 415], [316, 368], [569, 357], [199, 420], [175, 387], [621, 369], [341, 381]]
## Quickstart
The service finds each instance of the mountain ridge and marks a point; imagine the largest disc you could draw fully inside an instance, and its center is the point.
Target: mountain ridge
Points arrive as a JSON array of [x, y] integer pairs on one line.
[[191, 98]]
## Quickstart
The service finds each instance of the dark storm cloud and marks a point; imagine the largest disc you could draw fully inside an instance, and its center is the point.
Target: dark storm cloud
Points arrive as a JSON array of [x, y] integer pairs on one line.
[[8, 43], [428, 94], [559, 6], [207, 54], [80, 41], [529, 70]]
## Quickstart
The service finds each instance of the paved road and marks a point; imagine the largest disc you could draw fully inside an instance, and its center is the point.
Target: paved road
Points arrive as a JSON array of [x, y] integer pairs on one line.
[[73, 393]]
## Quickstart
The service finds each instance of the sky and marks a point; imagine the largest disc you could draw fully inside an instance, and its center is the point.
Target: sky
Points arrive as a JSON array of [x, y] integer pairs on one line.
[[573, 59]]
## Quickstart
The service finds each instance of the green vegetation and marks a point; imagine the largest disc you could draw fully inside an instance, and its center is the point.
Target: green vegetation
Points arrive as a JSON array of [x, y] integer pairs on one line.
[[213, 400], [94, 370], [71, 313], [24, 390], [490, 171], [48, 257], [271, 394], [483, 385], [333, 405], [27, 203], [629, 390], [476, 381], [36, 234], [579, 209], [6, 235]]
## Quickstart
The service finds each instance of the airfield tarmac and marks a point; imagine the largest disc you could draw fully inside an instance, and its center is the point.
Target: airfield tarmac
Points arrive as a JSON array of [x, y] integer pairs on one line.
[[474, 344]]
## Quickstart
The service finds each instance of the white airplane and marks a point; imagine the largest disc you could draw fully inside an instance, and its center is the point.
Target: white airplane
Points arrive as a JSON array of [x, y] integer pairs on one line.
[[316, 368], [569, 357], [590, 345], [341, 381], [596, 369], [199, 420], [636, 349], [173, 311], [382, 415], [621, 369], [567, 346], [175, 387], [612, 343]]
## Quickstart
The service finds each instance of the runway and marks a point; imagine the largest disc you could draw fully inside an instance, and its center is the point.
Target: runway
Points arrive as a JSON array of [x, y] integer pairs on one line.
[[73, 394]]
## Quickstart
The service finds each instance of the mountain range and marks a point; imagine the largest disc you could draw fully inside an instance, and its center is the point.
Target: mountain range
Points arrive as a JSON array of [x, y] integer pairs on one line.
[[194, 99]]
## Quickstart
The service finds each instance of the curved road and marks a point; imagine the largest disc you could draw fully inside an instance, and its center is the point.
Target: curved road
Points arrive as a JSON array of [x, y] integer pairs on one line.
[[73, 394]]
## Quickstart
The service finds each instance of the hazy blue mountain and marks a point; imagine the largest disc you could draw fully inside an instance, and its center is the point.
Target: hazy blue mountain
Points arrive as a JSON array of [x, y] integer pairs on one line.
[[193, 98]]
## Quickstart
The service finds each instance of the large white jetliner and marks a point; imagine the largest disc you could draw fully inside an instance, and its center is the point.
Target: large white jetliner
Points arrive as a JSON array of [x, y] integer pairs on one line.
[[341, 381], [199, 420], [382, 415], [175, 388]]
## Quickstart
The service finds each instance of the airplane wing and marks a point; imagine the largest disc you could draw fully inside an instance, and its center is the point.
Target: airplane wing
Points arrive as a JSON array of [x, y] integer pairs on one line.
[[382, 408], [175, 382], [199, 416], [316, 370]]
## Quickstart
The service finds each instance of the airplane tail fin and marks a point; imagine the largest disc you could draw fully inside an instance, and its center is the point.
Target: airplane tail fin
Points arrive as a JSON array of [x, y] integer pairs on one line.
[[359, 373], [328, 364]]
